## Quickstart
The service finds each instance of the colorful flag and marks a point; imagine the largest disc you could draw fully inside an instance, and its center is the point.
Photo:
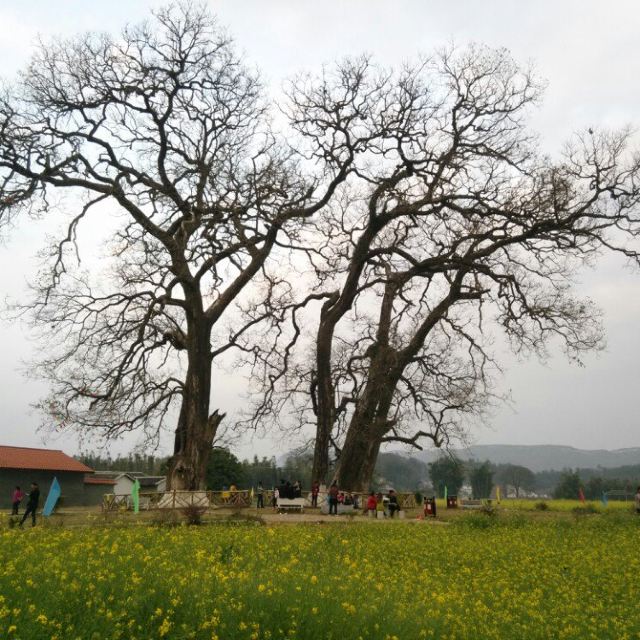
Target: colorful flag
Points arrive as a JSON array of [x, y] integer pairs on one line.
[[135, 494], [605, 499], [498, 494], [52, 498], [581, 495]]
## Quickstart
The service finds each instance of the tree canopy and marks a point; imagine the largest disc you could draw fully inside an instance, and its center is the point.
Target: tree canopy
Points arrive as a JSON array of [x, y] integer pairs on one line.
[[165, 127], [446, 472], [356, 256]]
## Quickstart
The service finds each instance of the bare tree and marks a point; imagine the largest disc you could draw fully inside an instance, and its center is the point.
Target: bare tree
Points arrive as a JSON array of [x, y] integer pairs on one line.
[[452, 222], [167, 129]]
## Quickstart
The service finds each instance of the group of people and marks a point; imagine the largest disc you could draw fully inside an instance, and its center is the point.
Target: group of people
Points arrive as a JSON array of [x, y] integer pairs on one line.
[[337, 497], [286, 489], [33, 501], [376, 502]]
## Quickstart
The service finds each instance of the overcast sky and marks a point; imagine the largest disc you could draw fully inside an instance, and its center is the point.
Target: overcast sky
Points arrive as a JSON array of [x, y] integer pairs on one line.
[[588, 51]]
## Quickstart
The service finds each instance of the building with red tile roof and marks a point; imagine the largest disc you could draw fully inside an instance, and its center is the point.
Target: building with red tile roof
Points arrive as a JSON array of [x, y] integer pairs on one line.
[[41, 459], [20, 466]]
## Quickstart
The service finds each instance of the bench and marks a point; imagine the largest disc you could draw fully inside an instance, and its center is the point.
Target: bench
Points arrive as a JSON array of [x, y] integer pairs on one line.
[[287, 504], [472, 504]]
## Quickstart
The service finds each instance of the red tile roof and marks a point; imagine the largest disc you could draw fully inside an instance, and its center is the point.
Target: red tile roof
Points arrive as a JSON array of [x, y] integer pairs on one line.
[[94, 480], [43, 459]]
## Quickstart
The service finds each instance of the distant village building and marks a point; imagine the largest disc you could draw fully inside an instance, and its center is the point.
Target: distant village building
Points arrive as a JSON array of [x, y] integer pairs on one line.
[[94, 489], [123, 482], [20, 466]]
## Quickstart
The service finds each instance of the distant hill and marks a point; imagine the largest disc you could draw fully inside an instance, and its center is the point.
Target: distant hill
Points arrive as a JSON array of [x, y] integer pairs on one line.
[[544, 457]]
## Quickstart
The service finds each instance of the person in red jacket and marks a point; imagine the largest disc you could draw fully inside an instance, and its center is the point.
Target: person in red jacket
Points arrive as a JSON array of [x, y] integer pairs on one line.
[[16, 499], [371, 502], [315, 490]]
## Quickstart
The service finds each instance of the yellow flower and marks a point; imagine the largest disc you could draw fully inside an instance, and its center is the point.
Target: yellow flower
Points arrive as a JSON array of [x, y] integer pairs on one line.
[[164, 628]]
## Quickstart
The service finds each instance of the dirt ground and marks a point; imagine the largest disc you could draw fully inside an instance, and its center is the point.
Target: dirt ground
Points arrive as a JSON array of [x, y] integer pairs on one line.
[[83, 516]]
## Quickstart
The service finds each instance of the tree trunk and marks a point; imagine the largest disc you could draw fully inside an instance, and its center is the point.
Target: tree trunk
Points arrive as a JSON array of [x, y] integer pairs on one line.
[[188, 466], [358, 458], [196, 428], [325, 395], [369, 424]]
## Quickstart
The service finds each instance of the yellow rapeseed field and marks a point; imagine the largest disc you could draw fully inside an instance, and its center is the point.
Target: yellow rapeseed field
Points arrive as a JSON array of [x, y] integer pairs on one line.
[[478, 577]]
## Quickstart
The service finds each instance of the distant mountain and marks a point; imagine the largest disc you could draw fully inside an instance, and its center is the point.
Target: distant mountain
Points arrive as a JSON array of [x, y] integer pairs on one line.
[[544, 457]]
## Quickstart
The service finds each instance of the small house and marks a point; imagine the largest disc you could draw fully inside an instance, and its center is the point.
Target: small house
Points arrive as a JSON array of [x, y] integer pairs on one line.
[[20, 466]]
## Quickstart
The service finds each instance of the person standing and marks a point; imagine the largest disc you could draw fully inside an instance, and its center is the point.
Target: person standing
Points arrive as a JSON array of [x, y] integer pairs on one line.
[[315, 490], [637, 500], [333, 499], [371, 503], [32, 504], [260, 494], [16, 499]]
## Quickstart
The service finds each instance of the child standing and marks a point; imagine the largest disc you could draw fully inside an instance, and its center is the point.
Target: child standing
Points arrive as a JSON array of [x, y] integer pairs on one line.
[[16, 499]]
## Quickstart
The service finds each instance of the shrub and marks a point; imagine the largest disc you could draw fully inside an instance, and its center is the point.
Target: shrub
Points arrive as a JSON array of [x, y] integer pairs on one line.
[[193, 514], [248, 518], [488, 510], [165, 518], [541, 506], [478, 520], [585, 510]]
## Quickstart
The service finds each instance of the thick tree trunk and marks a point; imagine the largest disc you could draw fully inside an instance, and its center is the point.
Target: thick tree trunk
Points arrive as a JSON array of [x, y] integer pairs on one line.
[[188, 466], [325, 396], [370, 422], [196, 428], [358, 458], [332, 311], [368, 425]]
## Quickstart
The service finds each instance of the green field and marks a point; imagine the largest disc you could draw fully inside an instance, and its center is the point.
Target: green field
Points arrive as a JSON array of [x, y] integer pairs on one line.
[[507, 576]]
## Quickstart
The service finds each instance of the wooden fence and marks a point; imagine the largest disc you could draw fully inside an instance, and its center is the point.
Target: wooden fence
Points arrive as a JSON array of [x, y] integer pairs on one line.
[[217, 499]]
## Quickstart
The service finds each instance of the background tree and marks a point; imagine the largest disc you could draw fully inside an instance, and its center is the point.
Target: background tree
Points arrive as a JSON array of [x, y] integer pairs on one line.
[[401, 472], [224, 469], [262, 470], [297, 466], [481, 479], [569, 485], [165, 128], [147, 464], [595, 487], [517, 477], [447, 472]]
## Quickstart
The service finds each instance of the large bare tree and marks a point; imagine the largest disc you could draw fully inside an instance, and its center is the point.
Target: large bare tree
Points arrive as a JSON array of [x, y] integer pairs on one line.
[[162, 139], [471, 223], [452, 222]]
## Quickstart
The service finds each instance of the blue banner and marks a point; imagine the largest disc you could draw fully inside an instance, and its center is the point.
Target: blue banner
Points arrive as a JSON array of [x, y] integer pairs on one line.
[[52, 498]]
